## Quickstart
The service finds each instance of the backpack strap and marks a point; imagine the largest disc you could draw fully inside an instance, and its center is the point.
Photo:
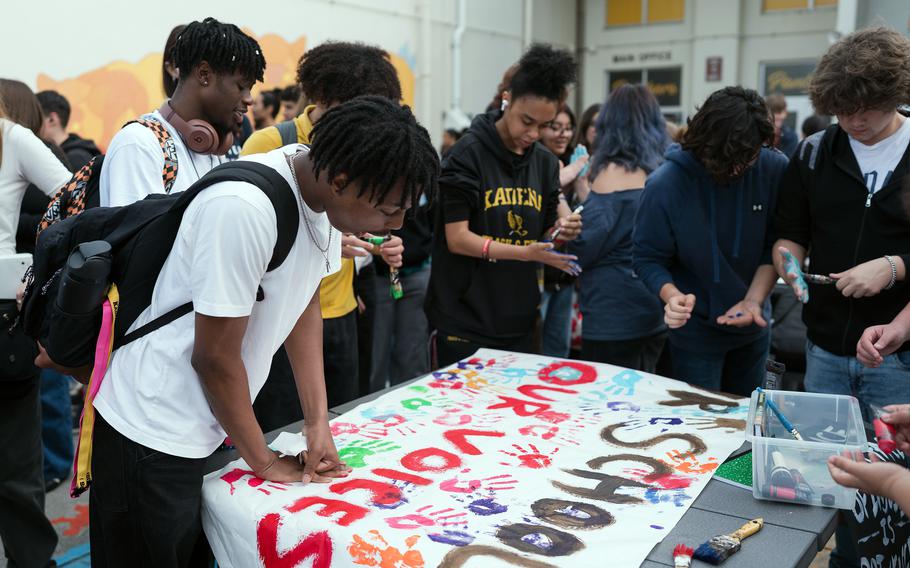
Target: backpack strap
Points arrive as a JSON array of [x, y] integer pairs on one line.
[[168, 150], [288, 131], [283, 200]]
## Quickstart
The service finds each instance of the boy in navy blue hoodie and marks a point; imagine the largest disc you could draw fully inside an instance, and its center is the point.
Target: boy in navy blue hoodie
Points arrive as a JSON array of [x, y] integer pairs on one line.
[[703, 241]]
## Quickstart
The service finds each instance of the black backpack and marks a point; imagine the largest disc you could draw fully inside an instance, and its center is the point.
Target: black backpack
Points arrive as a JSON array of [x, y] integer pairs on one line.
[[140, 236]]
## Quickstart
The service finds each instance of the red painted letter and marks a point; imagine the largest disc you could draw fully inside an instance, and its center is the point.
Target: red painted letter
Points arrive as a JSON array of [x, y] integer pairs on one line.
[[457, 437], [381, 493], [316, 545], [416, 460], [350, 513]]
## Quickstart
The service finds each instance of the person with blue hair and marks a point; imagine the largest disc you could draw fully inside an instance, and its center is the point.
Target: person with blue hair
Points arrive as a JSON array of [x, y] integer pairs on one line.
[[703, 241], [623, 322]]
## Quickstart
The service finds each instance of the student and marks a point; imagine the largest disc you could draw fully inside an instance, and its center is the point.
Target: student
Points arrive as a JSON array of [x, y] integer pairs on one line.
[[290, 102], [218, 66], [586, 133], [623, 322], [559, 287], [844, 197], [330, 73], [54, 129], [265, 109], [197, 374], [28, 537], [785, 138], [169, 73], [702, 241], [499, 194]]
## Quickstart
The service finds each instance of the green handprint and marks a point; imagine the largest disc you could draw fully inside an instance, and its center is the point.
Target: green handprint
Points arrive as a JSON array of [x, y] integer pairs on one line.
[[355, 453]]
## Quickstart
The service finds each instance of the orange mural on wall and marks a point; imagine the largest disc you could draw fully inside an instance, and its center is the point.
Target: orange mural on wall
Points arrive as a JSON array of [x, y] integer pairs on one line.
[[106, 98]]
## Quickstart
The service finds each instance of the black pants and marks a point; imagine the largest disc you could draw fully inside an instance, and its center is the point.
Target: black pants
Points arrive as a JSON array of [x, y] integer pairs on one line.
[[28, 538], [278, 404], [640, 354], [144, 507], [451, 348]]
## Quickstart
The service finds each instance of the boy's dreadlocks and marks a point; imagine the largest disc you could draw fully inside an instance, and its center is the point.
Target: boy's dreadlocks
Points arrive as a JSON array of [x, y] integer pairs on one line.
[[223, 46]]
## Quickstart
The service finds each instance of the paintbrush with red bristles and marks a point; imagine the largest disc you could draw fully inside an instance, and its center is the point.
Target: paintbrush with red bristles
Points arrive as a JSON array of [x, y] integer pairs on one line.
[[682, 556]]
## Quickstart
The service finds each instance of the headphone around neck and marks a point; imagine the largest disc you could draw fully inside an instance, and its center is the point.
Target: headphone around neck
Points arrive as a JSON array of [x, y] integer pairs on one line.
[[200, 136]]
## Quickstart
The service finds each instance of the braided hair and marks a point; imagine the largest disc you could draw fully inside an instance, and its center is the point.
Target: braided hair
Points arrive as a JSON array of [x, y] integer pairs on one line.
[[336, 72], [376, 142], [728, 131], [223, 46]]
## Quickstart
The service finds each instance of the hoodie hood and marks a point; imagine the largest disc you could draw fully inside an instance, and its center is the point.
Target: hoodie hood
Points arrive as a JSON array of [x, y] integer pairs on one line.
[[484, 127], [687, 161]]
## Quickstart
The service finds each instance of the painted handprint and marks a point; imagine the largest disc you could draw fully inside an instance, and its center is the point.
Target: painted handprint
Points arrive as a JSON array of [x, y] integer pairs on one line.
[[688, 463], [355, 453], [531, 457], [371, 431], [376, 551], [718, 422], [623, 384], [638, 423], [426, 517], [491, 484]]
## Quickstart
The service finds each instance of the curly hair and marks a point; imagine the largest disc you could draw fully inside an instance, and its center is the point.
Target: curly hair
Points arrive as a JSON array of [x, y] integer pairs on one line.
[[728, 131], [867, 70], [631, 131], [223, 46], [376, 142], [336, 72], [544, 72]]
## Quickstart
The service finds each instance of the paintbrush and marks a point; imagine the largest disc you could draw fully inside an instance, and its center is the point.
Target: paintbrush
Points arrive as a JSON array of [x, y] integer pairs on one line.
[[682, 556], [783, 419], [721, 547]]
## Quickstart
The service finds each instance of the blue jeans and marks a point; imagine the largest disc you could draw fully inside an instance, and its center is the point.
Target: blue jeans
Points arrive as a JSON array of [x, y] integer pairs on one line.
[[841, 374], [738, 370], [56, 424], [556, 312]]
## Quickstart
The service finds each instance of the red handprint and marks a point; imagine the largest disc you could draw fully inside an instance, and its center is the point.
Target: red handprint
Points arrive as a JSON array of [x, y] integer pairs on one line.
[[424, 517], [531, 457]]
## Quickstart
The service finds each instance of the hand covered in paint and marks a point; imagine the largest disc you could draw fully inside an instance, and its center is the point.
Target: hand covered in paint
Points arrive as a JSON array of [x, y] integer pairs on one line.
[[568, 174], [352, 247], [569, 227], [322, 462], [746, 312], [793, 274], [898, 415], [879, 341], [866, 279], [391, 251], [878, 477], [678, 310], [544, 253]]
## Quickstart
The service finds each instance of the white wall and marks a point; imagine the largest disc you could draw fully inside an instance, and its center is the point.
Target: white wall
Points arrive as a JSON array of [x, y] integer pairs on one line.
[[128, 30]]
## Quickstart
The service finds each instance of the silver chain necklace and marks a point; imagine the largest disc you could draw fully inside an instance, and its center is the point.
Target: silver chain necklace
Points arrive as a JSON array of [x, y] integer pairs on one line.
[[306, 217]]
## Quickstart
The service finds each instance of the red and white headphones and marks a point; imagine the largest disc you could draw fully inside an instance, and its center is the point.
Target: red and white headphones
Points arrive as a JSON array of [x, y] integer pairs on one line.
[[200, 136]]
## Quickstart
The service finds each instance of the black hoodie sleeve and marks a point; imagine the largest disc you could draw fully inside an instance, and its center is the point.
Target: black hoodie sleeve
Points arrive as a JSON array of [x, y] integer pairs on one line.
[[551, 213], [459, 187], [791, 218]]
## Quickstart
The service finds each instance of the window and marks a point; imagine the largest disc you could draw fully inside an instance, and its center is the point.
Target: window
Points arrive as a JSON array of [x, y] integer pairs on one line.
[[664, 82], [780, 5], [637, 12]]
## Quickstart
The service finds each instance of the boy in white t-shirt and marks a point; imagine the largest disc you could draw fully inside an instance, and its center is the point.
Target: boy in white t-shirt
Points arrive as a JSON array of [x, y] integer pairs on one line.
[[169, 398], [218, 64], [843, 202]]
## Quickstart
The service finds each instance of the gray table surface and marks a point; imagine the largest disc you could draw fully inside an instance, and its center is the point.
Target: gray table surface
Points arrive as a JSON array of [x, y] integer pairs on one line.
[[791, 537]]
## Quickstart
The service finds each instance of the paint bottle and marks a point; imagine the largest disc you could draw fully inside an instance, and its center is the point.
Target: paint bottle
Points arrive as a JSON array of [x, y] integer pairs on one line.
[[884, 432], [395, 289]]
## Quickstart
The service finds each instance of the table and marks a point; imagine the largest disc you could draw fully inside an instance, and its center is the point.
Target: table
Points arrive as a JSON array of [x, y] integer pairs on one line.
[[792, 534]]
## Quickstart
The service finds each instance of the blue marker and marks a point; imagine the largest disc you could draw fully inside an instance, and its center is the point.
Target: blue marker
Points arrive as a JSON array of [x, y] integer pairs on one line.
[[780, 416]]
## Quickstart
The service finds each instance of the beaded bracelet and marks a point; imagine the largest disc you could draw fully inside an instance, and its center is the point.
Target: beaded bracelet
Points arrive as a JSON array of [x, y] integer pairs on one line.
[[893, 272]]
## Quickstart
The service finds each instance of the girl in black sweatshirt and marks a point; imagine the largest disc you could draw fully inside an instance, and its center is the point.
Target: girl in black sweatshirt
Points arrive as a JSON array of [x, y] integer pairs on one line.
[[499, 203]]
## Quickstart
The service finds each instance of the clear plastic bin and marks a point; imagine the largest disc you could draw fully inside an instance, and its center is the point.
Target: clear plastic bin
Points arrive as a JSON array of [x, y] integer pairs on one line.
[[792, 471]]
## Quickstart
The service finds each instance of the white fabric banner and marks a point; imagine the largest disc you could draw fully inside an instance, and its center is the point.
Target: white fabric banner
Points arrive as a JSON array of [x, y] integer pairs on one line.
[[504, 459]]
